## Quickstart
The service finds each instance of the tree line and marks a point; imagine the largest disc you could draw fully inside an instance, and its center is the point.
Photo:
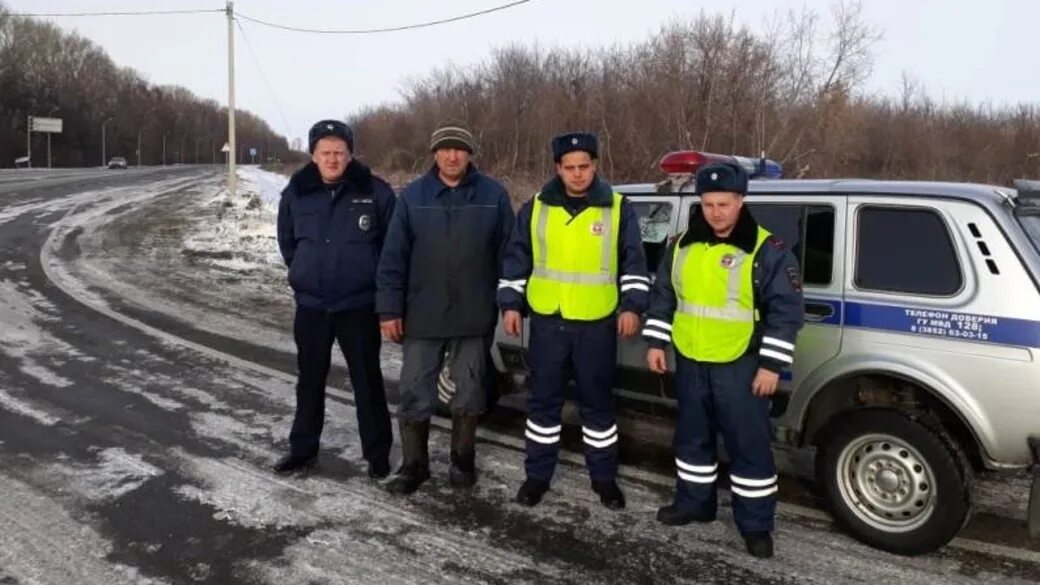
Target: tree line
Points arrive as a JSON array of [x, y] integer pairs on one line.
[[794, 92], [47, 72]]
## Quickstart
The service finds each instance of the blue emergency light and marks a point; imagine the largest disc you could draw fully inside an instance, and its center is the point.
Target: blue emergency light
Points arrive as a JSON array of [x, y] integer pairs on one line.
[[683, 162]]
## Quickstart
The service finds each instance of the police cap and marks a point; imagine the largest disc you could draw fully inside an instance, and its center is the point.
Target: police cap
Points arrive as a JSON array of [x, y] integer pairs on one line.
[[326, 128], [729, 177], [573, 141]]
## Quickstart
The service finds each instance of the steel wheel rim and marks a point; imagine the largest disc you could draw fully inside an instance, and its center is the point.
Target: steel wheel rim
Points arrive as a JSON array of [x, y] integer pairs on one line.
[[886, 483]]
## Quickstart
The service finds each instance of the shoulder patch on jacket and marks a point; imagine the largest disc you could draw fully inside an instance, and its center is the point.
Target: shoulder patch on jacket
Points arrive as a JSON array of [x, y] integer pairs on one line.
[[777, 243], [795, 280]]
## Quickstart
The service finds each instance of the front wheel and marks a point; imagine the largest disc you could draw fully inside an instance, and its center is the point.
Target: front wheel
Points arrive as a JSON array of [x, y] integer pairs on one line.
[[896, 483]]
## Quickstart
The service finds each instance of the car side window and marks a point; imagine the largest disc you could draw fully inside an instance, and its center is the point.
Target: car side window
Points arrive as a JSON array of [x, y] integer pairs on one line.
[[807, 230], [905, 250], [655, 225]]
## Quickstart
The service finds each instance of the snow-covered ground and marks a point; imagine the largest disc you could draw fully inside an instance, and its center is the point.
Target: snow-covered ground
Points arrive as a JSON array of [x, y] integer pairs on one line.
[[125, 452]]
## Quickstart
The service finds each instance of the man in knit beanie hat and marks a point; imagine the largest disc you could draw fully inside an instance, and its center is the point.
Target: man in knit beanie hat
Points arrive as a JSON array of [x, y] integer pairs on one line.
[[436, 287]]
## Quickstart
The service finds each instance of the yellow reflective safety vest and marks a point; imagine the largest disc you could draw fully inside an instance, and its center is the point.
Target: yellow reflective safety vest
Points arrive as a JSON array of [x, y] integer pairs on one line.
[[575, 261], [715, 314]]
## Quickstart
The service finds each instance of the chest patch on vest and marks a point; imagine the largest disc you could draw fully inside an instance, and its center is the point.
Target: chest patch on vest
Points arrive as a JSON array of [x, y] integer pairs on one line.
[[728, 261], [597, 228], [364, 222]]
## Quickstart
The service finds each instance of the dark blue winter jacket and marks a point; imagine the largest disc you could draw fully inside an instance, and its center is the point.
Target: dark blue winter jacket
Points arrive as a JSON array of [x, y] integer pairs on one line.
[[331, 236], [443, 256]]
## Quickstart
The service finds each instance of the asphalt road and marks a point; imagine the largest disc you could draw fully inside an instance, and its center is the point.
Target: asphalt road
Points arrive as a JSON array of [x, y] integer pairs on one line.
[[144, 393]]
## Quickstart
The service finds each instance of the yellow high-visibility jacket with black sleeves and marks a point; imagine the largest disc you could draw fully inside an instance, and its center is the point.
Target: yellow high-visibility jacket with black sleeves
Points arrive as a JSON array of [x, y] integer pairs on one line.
[[715, 300], [577, 259]]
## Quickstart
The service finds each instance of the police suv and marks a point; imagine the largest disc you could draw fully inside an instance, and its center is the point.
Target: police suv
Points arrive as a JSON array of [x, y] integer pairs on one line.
[[919, 362]]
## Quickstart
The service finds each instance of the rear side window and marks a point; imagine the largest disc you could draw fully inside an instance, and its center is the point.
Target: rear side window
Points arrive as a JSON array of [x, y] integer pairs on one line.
[[808, 230], [907, 251]]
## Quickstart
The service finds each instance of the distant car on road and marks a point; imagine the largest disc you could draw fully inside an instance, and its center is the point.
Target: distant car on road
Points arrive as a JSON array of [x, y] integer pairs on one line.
[[117, 162]]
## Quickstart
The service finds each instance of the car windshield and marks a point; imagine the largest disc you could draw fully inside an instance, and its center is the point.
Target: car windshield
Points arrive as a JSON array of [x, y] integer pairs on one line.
[[1031, 225]]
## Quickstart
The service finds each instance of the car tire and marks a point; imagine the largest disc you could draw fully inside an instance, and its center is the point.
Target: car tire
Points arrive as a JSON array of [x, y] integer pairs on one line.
[[895, 481]]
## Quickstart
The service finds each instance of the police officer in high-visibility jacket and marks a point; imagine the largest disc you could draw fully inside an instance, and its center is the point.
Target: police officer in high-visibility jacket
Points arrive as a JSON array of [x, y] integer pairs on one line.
[[575, 258], [728, 297]]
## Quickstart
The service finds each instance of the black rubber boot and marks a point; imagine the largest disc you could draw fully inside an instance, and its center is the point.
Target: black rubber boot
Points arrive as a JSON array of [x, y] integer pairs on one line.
[[291, 463], [759, 544], [531, 492], [671, 515], [609, 494], [415, 464], [463, 472]]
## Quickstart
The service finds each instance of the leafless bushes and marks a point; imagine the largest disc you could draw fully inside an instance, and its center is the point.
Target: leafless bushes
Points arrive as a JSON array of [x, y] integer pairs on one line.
[[794, 92]]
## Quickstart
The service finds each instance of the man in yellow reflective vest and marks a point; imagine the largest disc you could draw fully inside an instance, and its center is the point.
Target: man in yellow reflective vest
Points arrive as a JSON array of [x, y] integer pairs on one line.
[[728, 297], [575, 258]]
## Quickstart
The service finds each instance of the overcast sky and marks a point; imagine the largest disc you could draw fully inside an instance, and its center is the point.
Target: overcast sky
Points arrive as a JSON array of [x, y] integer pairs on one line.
[[978, 51]]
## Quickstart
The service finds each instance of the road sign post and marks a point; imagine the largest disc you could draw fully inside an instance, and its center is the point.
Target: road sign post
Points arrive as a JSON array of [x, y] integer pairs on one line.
[[48, 126]]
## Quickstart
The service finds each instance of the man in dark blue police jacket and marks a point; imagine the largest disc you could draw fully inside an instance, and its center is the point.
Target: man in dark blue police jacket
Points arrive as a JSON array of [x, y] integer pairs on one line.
[[332, 221], [437, 280]]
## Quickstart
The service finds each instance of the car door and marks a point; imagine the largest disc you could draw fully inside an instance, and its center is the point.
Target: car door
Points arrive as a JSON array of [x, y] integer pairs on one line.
[[812, 227], [658, 218]]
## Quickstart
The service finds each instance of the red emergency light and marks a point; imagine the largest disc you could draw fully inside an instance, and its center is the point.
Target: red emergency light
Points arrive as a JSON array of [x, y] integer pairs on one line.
[[687, 162]]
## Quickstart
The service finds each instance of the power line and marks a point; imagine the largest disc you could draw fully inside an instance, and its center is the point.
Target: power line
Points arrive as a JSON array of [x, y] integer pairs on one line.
[[270, 92], [127, 13], [381, 30]]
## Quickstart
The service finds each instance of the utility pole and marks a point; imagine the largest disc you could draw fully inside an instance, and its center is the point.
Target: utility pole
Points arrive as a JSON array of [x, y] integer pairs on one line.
[[104, 159], [231, 96], [164, 149], [139, 146], [28, 141]]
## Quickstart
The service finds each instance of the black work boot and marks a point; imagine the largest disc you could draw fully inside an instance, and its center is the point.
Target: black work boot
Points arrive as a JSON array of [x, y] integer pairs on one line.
[[378, 469], [531, 492], [671, 515], [291, 463], [463, 472], [415, 464], [609, 494], [759, 544]]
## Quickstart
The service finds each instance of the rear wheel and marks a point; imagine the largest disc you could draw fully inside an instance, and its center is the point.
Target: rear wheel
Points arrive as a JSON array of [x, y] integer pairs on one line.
[[897, 483]]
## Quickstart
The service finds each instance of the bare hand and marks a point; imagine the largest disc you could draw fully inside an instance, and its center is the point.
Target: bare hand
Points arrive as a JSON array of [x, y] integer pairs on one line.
[[766, 382], [512, 322], [656, 361], [627, 324], [393, 329]]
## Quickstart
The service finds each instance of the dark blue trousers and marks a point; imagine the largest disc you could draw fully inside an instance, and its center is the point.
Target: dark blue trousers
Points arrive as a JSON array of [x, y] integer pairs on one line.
[[558, 350], [717, 398], [357, 332]]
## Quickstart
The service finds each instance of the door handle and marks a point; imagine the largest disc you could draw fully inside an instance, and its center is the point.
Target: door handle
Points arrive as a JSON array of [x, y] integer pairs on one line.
[[818, 311]]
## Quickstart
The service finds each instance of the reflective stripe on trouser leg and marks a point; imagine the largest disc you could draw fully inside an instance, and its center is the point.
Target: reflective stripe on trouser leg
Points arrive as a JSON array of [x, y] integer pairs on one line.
[[747, 433], [695, 449], [549, 351], [593, 361]]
